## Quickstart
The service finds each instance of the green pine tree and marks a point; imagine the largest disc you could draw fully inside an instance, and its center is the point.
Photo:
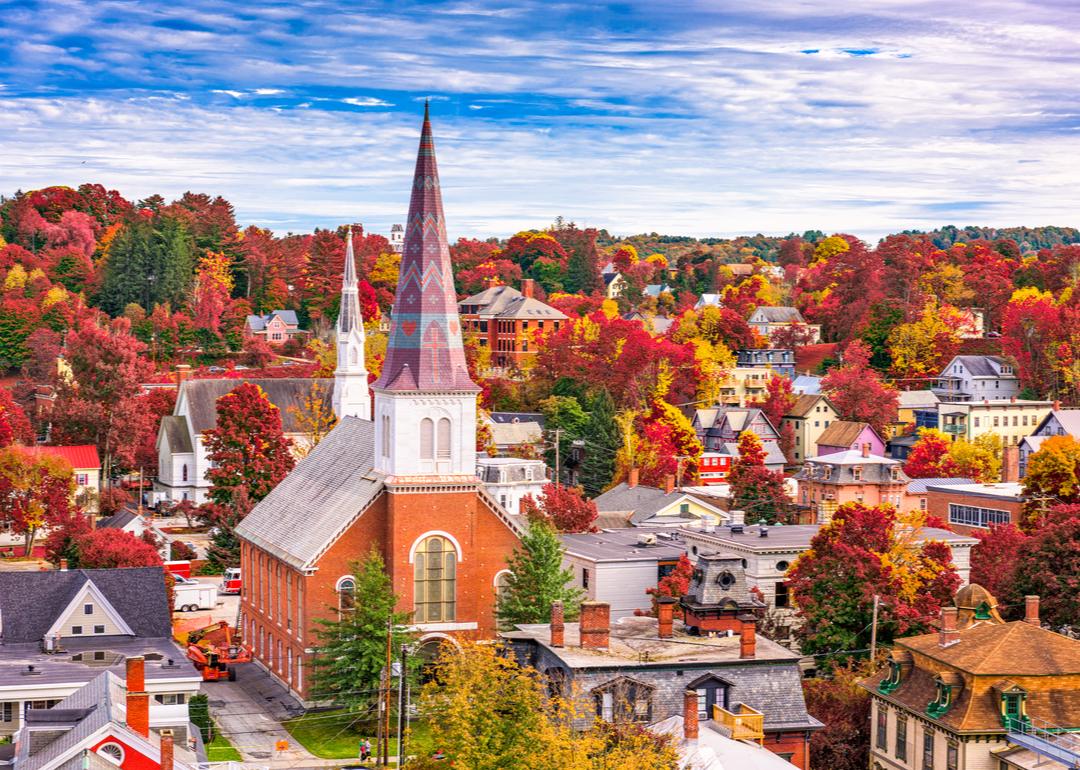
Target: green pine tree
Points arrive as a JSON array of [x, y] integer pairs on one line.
[[351, 652], [537, 579], [602, 442]]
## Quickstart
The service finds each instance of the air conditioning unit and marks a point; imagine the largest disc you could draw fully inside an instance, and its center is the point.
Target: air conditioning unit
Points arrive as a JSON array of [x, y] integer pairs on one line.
[[647, 539]]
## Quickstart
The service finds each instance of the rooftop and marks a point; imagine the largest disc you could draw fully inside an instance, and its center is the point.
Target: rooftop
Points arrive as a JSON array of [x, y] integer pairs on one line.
[[79, 457], [624, 545], [919, 486], [1007, 490], [852, 457], [793, 537], [83, 658]]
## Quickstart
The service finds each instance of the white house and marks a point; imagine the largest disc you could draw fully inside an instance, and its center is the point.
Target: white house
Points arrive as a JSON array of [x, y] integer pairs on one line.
[[973, 378], [1060, 422], [509, 479], [766, 320]]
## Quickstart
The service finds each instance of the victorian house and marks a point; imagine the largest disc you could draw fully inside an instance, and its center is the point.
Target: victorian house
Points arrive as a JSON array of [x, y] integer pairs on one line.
[[404, 483]]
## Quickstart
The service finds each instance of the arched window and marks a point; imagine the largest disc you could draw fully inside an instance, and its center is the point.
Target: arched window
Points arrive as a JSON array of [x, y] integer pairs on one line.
[[444, 439], [386, 435], [183, 472], [427, 439], [346, 591], [113, 752], [434, 581]]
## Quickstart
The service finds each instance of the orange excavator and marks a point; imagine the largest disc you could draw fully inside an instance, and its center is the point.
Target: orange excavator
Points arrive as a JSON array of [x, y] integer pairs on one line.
[[216, 651]]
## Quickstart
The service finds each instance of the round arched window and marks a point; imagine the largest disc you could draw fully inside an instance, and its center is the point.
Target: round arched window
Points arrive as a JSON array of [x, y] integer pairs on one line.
[[782, 566], [113, 752], [726, 580]]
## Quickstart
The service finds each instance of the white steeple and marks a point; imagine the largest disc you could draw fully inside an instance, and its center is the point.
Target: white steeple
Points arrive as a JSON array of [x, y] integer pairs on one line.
[[351, 396]]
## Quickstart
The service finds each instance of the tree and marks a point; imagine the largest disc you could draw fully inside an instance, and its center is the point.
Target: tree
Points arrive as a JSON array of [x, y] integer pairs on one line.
[[994, 559], [1048, 566], [979, 459], [754, 488], [843, 704], [601, 436], [929, 457], [536, 579], [863, 552], [246, 447], [35, 491], [1054, 471], [314, 418], [676, 584], [857, 391], [14, 424], [64, 534], [213, 288], [921, 349], [113, 549], [487, 712], [562, 507], [352, 643]]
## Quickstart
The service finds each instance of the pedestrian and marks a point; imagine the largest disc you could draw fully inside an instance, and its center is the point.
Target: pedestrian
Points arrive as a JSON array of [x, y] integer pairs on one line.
[[365, 750]]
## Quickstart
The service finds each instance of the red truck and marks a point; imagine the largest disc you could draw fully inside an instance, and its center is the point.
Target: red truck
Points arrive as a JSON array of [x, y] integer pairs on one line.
[[230, 582]]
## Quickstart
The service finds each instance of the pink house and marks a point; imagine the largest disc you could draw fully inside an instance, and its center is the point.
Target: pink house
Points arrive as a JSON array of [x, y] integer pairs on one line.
[[842, 435]]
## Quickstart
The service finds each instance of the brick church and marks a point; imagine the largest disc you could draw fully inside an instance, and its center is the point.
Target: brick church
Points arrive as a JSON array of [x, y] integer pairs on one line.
[[405, 481]]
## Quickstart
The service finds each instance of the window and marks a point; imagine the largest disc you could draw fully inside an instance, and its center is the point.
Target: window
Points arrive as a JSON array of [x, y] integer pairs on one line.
[[82, 479], [928, 750], [76, 630], [386, 435], [624, 700], [7, 712], [856, 473], [952, 757], [444, 439], [183, 472], [972, 516], [882, 728], [942, 701], [346, 590], [99, 629], [584, 577], [997, 421], [922, 503], [113, 752], [171, 699], [901, 739], [427, 439], [435, 581], [781, 594], [88, 609], [976, 422]]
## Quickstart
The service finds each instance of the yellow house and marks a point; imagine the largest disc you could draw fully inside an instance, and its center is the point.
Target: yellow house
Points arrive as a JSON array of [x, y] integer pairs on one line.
[[809, 416]]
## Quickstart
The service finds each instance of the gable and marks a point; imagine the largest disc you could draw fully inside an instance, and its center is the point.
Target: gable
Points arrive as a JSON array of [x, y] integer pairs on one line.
[[88, 609]]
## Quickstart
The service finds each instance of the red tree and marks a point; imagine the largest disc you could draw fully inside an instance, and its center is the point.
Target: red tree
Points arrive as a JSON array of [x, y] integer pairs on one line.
[[35, 491], [929, 457], [754, 488], [563, 507], [994, 559], [675, 584], [114, 548], [857, 391], [14, 424]]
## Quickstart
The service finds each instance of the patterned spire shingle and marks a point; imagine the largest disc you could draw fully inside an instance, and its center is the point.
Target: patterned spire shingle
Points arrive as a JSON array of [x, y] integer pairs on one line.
[[349, 314], [425, 350]]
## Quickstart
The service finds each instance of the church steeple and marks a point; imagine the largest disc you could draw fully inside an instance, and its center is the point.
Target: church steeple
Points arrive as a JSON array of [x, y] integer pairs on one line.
[[351, 397], [425, 401]]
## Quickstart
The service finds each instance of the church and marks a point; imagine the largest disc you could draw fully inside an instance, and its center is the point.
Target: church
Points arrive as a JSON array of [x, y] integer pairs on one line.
[[404, 482]]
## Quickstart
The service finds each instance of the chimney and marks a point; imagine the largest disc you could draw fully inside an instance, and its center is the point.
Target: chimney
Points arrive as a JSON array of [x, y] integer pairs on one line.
[[737, 517], [166, 752], [632, 478], [138, 702], [1012, 400], [690, 716], [947, 634], [183, 372], [595, 625], [556, 624], [866, 449], [665, 613], [63, 565], [748, 637], [528, 287], [669, 484], [1057, 406], [1031, 611], [1010, 463]]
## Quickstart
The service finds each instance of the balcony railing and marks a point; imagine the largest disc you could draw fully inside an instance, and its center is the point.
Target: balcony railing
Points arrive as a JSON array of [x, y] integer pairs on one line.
[[955, 428], [745, 723]]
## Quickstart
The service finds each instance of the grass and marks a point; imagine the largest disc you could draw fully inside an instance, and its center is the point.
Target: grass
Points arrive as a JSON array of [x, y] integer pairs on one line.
[[337, 734], [220, 750]]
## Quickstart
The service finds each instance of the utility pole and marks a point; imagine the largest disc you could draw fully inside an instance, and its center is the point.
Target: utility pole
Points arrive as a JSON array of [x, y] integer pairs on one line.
[[558, 440], [385, 717], [401, 706], [873, 628]]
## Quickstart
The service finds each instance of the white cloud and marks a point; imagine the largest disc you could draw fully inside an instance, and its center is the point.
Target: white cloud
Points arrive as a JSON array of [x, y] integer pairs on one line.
[[366, 101]]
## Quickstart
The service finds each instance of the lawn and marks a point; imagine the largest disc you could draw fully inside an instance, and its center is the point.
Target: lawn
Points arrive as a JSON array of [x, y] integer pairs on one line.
[[337, 735], [220, 750]]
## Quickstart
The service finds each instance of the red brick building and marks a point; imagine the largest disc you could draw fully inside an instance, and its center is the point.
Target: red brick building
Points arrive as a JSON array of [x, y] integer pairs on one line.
[[510, 322], [971, 508], [404, 484]]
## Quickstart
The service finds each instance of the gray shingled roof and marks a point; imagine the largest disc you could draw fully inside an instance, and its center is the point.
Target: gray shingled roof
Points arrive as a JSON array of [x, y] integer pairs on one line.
[[286, 392], [118, 520], [777, 315], [322, 495], [981, 366], [639, 499], [176, 432], [30, 602], [98, 698]]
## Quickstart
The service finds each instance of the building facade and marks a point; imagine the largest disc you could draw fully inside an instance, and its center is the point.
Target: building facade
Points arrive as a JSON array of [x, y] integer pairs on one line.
[[510, 323], [276, 327], [1011, 419], [1060, 422], [972, 378], [808, 417], [766, 320], [829, 481], [974, 507], [405, 484]]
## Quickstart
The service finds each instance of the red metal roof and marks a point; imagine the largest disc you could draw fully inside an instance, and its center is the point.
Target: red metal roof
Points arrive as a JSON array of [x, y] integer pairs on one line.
[[78, 457]]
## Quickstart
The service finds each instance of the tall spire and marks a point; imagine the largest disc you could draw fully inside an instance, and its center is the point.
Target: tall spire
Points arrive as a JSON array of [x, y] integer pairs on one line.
[[351, 397], [425, 351]]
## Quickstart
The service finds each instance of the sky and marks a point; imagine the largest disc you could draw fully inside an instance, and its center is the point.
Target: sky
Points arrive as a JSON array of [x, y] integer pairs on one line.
[[691, 118]]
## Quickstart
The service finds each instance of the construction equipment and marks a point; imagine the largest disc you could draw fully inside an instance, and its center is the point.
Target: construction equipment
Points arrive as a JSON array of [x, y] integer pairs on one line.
[[216, 650]]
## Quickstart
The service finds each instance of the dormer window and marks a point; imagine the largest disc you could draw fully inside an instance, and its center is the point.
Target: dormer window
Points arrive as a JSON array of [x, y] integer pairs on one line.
[[1013, 705], [856, 473], [945, 696], [894, 473]]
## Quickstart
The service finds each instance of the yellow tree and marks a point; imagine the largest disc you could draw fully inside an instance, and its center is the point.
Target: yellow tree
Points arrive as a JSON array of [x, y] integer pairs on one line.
[[920, 348], [314, 418], [979, 459], [1054, 471]]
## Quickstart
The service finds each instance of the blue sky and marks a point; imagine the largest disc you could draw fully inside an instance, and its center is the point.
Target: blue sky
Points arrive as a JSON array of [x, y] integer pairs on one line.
[[697, 118]]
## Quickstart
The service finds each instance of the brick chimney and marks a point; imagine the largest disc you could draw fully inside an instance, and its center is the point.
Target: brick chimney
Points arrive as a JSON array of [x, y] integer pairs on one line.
[[63, 565], [748, 637], [1031, 610], [595, 625], [690, 716], [665, 613], [669, 484], [138, 702], [166, 752], [1010, 463], [632, 478], [1057, 406], [183, 372], [556, 624], [947, 633], [1012, 400], [866, 449], [528, 287]]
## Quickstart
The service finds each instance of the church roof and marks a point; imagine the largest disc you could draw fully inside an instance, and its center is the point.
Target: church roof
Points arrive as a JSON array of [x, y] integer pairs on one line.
[[319, 499], [283, 392], [425, 350]]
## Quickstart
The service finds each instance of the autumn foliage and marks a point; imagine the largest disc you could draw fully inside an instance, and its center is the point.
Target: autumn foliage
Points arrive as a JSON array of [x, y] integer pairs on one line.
[[565, 508]]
